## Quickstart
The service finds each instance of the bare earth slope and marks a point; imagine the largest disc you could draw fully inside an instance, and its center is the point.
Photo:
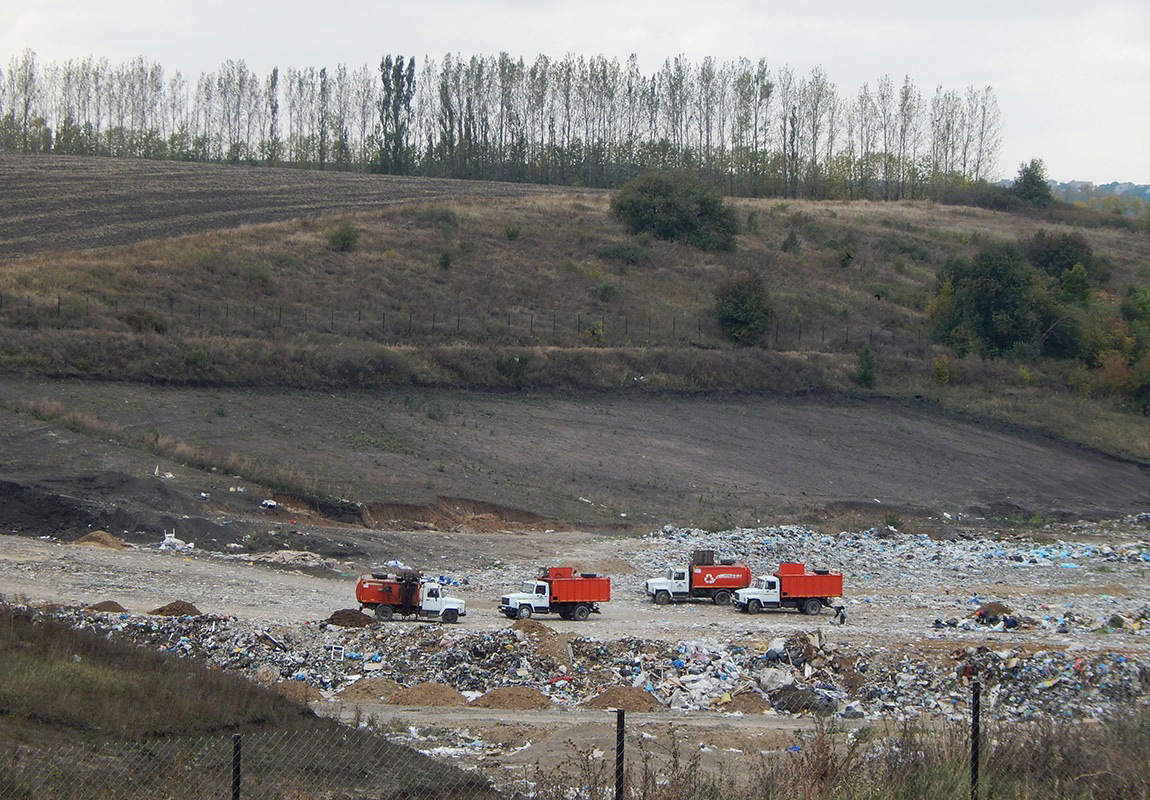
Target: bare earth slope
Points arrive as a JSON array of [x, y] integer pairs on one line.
[[592, 461]]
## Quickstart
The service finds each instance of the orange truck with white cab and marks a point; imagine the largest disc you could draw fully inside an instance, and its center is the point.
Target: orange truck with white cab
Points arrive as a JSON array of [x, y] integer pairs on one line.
[[558, 590], [702, 579], [792, 586], [405, 593]]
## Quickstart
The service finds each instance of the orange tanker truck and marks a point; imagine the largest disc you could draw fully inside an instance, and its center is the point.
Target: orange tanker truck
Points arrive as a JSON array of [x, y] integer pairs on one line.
[[702, 579], [404, 592]]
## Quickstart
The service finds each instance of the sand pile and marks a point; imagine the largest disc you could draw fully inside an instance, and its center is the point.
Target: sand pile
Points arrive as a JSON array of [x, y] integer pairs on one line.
[[107, 605], [427, 694], [298, 692], [177, 608], [100, 539], [512, 697], [349, 618], [370, 690], [624, 697]]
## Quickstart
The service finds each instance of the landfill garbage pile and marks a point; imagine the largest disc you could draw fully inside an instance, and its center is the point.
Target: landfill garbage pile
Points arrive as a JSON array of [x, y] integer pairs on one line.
[[804, 673]]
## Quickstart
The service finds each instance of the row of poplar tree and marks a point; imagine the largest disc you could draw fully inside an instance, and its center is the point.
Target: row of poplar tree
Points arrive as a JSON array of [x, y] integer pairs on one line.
[[577, 121]]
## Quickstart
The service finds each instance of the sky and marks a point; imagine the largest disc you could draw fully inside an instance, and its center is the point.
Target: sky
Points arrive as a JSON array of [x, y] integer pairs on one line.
[[1072, 79]]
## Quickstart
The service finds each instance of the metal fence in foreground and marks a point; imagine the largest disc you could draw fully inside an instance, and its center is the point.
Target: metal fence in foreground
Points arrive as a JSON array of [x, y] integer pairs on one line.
[[968, 757]]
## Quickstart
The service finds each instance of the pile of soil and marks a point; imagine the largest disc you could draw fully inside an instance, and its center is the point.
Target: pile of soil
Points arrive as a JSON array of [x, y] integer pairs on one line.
[[532, 628], [512, 697], [427, 694], [298, 692], [107, 605], [992, 610], [177, 608], [370, 690], [100, 539], [349, 618], [625, 697], [747, 703]]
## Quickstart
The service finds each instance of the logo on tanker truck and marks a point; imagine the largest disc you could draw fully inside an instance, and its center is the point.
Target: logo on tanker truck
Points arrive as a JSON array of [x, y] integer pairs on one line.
[[711, 577]]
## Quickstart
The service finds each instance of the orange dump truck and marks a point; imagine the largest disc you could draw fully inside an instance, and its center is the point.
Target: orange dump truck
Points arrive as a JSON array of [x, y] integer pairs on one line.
[[792, 586], [558, 590]]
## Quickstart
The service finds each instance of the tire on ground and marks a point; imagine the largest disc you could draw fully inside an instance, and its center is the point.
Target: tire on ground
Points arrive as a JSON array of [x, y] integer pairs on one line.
[[722, 597], [524, 612], [662, 597], [754, 607], [580, 613], [812, 606], [384, 612]]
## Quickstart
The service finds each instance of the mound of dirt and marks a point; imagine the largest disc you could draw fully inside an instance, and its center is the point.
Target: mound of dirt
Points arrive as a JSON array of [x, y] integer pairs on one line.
[[624, 697], [427, 694], [747, 703], [107, 605], [532, 628], [349, 618], [298, 692], [370, 690], [100, 539], [512, 697], [177, 608]]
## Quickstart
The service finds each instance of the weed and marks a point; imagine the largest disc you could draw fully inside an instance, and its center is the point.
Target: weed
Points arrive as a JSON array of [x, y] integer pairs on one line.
[[511, 233]]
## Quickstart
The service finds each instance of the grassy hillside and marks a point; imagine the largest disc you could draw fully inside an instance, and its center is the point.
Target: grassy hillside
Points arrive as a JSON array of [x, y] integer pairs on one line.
[[545, 292]]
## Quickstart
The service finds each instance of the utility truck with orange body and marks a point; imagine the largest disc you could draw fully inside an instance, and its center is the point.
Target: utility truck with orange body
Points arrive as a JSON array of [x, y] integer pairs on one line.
[[558, 590], [404, 592], [792, 586], [702, 579]]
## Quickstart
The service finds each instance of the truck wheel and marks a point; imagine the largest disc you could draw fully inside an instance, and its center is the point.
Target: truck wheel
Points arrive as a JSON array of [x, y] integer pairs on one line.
[[722, 598], [754, 607], [524, 612], [580, 613], [662, 598], [384, 612], [450, 615], [812, 606]]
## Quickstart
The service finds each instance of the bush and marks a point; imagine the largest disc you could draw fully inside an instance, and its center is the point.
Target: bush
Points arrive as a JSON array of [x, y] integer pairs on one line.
[[867, 368], [676, 208], [743, 309], [344, 238]]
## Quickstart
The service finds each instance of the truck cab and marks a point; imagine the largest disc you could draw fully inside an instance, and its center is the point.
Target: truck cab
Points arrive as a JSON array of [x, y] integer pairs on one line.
[[762, 593], [533, 597], [435, 602], [674, 585]]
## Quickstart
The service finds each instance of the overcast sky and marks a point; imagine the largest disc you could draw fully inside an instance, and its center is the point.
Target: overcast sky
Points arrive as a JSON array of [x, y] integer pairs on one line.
[[1072, 78]]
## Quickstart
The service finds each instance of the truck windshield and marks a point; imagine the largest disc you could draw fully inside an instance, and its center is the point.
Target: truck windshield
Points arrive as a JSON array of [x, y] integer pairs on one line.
[[528, 587]]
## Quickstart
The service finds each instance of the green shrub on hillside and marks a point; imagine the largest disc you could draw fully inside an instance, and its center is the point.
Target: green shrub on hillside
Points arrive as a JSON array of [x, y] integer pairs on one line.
[[743, 309], [344, 238], [676, 208]]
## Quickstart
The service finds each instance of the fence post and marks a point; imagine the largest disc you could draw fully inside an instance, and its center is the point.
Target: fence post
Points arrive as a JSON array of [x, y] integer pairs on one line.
[[237, 762], [620, 715], [975, 736]]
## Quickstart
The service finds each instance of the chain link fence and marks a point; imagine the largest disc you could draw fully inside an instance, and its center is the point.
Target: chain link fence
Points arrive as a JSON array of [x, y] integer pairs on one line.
[[964, 757]]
